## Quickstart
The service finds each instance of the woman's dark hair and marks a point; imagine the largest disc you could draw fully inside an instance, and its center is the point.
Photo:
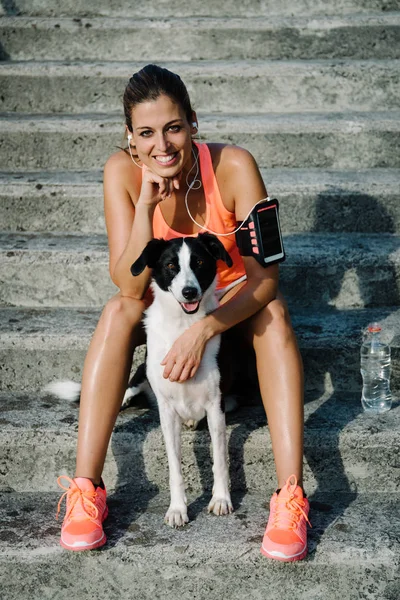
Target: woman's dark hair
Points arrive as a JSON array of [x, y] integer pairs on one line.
[[149, 84]]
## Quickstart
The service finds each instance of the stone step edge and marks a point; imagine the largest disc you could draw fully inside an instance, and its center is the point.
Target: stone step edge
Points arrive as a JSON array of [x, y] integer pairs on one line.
[[205, 68], [341, 459], [234, 537], [73, 201], [329, 328], [302, 179], [304, 248], [274, 22], [263, 9], [343, 424], [350, 123]]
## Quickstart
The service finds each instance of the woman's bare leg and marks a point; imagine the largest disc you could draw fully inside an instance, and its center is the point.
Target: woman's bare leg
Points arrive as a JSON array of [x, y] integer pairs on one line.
[[105, 377], [280, 376]]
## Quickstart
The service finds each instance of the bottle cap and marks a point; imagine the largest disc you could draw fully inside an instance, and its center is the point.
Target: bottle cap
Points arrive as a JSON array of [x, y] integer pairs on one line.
[[374, 328]]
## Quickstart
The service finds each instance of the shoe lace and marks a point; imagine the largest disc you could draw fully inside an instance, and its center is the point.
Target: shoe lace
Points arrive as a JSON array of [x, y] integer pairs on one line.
[[290, 507], [74, 494]]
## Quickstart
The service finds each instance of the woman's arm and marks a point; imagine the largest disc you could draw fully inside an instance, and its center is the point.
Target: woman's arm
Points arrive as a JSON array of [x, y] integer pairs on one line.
[[245, 187], [184, 358], [241, 187], [129, 204], [254, 295]]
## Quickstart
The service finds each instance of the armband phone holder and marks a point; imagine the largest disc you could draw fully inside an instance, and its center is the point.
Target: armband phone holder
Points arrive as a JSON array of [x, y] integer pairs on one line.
[[260, 235]]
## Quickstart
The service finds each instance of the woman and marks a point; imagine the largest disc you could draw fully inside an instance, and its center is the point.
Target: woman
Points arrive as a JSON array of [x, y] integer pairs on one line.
[[145, 190]]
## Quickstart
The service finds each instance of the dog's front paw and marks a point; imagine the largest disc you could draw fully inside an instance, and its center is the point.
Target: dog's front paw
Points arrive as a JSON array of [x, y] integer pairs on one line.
[[220, 505], [176, 517]]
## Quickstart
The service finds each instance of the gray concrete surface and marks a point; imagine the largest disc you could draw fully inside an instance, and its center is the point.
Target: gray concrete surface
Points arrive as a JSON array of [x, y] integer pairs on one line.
[[361, 37], [245, 86], [213, 557], [306, 140], [339, 270], [165, 8], [40, 345], [345, 450], [73, 201]]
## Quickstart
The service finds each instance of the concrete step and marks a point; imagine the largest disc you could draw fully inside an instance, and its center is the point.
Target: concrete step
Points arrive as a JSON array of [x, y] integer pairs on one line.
[[60, 201], [243, 86], [345, 449], [339, 270], [352, 546], [354, 36], [329, 141], [175, 8], [368, 200], [39, 345]]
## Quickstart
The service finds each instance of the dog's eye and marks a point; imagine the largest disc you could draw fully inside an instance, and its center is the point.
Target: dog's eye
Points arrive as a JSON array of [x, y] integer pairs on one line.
[[171, 266], [200, 262]]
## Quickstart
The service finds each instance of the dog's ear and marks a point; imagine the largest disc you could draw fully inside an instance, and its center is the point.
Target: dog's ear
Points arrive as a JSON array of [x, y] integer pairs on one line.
[[149, 256], [215, 247]]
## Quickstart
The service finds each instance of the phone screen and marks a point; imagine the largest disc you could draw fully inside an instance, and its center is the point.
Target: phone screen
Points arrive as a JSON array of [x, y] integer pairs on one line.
[[270, 233]]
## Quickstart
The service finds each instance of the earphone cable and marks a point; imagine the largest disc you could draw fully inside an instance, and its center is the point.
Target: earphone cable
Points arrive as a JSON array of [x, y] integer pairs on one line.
[[198, 181], [130, 152], [191, 186]]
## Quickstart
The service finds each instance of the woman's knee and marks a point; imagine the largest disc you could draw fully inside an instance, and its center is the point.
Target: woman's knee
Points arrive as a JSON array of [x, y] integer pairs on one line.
[[123, 310], [273, 320]]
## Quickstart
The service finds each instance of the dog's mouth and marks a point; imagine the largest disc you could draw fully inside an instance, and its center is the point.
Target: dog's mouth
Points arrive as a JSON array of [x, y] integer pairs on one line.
[[190, 307]]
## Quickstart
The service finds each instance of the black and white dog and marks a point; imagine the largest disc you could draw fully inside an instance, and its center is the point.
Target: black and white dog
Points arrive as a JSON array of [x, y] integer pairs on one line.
[[183, 284]]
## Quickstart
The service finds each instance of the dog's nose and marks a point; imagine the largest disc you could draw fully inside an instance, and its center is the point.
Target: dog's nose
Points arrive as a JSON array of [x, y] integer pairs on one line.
[[189, 293]]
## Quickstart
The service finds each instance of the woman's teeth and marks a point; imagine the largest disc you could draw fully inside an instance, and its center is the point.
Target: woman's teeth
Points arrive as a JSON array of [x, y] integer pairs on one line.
[[166, 159]]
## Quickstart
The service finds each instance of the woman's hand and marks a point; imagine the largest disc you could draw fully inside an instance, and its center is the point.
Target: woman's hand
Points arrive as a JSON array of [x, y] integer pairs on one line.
[[184, 358], [156, 188]]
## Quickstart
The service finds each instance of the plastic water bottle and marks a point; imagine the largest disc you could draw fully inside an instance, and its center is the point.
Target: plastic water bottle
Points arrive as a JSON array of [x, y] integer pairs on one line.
[[375, 370]]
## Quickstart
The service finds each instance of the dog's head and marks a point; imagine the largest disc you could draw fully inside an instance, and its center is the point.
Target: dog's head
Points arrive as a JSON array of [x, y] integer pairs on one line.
[[186, 267]]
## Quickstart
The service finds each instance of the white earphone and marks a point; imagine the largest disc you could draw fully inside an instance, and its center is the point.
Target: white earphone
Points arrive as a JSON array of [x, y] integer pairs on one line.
[[130, 151]]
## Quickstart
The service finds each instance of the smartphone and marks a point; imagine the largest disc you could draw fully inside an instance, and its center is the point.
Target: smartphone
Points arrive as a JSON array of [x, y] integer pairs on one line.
[[270, 232], [260, 236]]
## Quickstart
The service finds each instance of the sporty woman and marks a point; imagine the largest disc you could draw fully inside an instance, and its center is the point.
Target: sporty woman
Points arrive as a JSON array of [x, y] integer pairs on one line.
[[144, 194]]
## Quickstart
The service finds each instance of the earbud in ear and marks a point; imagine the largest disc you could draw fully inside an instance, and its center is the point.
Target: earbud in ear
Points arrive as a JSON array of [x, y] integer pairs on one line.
[[194, 124], [130, 146]]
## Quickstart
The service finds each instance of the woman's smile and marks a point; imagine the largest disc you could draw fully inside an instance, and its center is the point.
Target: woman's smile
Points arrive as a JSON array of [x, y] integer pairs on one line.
[[167, 160]]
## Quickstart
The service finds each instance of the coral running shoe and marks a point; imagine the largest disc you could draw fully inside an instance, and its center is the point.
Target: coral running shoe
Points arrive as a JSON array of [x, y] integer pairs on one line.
[[286, 535], [82, 528]]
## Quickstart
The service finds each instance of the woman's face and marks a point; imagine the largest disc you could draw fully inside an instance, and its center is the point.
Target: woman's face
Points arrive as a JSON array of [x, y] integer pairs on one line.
[[162, 136]]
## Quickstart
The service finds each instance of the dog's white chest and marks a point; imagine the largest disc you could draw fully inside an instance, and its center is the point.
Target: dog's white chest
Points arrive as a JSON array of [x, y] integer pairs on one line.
[[188, 399]]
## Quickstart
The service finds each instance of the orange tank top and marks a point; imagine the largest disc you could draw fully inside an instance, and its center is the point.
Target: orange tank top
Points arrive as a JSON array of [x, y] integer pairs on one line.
[[218, 218]]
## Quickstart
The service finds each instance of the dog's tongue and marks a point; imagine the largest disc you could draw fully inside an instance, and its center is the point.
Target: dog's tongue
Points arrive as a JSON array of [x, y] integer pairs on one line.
[[190, 306]]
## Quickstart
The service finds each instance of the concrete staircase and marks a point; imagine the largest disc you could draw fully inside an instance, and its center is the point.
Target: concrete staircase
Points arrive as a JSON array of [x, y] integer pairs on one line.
[[311, 88]]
